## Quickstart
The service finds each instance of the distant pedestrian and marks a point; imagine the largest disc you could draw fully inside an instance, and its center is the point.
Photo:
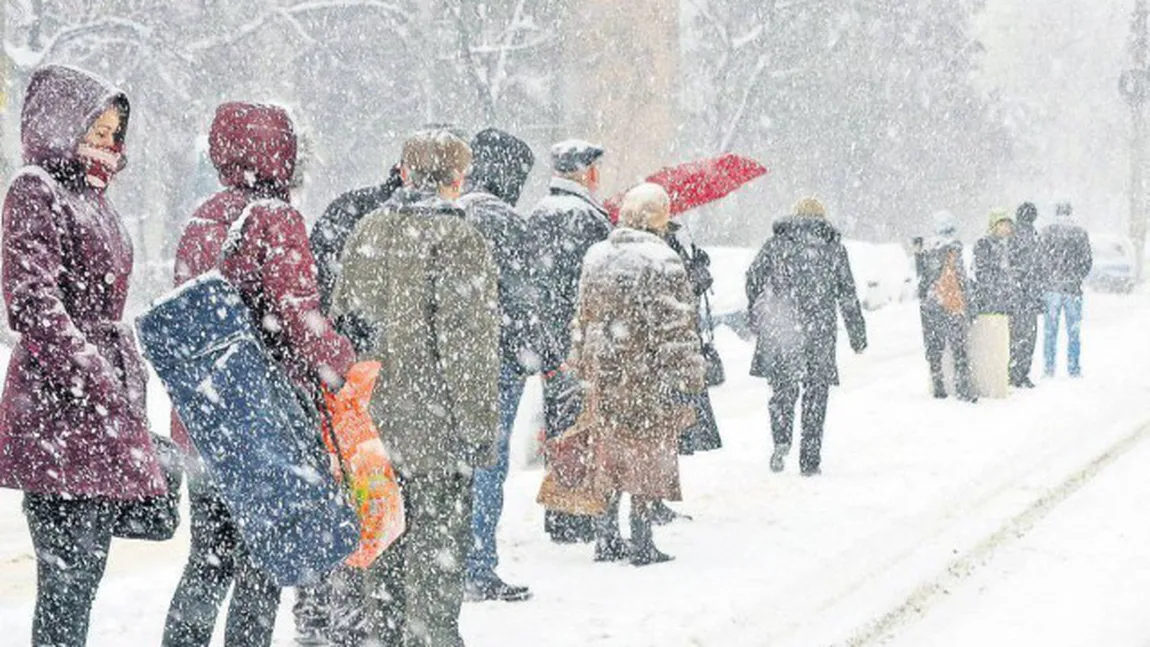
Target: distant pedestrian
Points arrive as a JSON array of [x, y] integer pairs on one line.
[[796, 286], [1029, 283], [1068, 260], [945, 306]]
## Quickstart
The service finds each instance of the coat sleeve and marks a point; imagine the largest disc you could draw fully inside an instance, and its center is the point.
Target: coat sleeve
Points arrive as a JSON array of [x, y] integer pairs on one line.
[[757, 276], [464, 298], [289, 282], [1086, 256], [519, 300], [677, 360], [32, 261], [848, 299]]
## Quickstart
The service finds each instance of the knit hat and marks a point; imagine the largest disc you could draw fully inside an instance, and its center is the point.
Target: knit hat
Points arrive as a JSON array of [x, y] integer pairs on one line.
[[1027, 213], [575, 155], [945, 223], [999, 214], [1064, 210], [810, 207]]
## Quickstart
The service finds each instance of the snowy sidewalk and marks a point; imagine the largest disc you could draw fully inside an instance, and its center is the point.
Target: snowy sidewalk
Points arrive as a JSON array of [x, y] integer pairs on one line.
[[909, 485]]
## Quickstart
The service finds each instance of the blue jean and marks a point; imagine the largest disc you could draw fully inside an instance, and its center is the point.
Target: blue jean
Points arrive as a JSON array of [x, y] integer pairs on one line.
[[1056, 305], [487, 505]]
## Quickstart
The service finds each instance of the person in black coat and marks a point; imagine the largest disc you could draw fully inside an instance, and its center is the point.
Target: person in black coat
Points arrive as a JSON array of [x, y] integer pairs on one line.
[[499, 170], [796, 287], [945, 306], [993, 272], [564, 225], [1026, 266]]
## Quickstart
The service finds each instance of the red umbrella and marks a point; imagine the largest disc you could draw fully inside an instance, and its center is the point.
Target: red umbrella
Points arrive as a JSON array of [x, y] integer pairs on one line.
[[701, 182]]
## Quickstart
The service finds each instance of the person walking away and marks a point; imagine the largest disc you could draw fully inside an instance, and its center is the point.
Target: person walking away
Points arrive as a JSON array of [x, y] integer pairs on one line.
[[501, 166], [1026, 264], [73, 420], [796, 286], [945, 306], [1069, 259], [421, 279], [251, 233], [635, 346], [564, 225]]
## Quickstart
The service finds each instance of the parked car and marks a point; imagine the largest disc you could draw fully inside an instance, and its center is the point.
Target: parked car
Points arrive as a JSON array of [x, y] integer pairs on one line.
[[1113, 264]]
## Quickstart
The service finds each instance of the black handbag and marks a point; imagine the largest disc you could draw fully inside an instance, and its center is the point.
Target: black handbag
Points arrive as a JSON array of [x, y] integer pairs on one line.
[[155, 518], [716, 373]]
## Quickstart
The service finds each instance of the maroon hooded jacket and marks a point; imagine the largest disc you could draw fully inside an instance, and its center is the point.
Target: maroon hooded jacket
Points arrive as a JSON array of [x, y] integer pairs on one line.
[[73, 419], [268, 259]]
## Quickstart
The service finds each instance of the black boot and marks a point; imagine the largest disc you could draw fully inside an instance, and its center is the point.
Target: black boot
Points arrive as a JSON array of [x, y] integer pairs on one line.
[[643, 551], [661, 514], [609, 544]]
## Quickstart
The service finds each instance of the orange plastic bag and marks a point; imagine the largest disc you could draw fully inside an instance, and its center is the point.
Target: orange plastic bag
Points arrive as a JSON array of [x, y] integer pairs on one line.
[[374, 486]]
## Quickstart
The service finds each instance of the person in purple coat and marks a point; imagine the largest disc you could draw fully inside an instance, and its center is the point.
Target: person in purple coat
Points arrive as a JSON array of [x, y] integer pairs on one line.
[[73, 426]]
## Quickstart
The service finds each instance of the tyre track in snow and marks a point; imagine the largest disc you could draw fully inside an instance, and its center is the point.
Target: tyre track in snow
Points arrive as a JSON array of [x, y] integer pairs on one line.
[[919, 603]]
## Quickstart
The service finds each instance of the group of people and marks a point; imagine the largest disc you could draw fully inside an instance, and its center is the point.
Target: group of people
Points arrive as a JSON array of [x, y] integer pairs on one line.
[[1019, 273], [433, 273]]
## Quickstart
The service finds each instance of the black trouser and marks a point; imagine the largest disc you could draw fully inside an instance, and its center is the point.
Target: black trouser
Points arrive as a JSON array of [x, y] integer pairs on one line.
[[217, 558], [814, 415], [939, 330], [71, 537], [312, 608], [1023, 339]]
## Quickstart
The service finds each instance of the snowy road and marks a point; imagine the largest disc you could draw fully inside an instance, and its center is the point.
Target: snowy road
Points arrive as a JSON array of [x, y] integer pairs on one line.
[[911, 488]]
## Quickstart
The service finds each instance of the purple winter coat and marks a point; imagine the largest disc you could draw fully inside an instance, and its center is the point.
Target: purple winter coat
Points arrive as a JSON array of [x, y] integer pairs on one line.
[[72, 417]]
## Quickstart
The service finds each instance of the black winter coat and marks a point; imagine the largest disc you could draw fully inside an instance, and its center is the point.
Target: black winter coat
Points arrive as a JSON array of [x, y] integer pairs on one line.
[[510, 240], [331, 232], [1066, 250], [994, 277], [795, 288], [563, 226], [1027, 268]]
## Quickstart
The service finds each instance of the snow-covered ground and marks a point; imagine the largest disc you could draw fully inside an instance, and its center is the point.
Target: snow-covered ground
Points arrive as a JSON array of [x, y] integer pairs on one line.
[[1011, 522]]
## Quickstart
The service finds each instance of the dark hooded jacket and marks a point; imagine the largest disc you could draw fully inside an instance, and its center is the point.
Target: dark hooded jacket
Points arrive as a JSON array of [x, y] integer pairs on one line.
[[73, 419], [330, 233], [258, 240], [796, 286], [564, 225], [994, 276], [1026, 263], [501, 166]]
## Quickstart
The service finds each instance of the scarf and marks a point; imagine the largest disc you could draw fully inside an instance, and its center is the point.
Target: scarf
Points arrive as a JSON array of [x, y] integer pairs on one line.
[[100, 164]]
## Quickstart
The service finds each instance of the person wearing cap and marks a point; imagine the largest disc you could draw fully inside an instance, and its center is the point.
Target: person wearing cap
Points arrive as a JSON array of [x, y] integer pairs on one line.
[[421, 279], [1026, 265], [796, 287], [945, 305], [1068, 260], [500, 168], [564, 225], [993, 274]]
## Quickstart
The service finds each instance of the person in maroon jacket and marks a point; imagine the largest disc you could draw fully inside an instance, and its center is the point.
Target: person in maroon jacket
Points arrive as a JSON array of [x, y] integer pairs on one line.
[[252, 234], [73, 423]]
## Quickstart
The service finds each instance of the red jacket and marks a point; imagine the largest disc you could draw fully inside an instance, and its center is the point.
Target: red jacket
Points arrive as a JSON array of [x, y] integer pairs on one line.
[[269, 261], [72, 418]]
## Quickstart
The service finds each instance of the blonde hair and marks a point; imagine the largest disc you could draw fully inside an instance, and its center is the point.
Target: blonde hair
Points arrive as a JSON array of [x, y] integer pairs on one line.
[[435, 158], [642, 204]]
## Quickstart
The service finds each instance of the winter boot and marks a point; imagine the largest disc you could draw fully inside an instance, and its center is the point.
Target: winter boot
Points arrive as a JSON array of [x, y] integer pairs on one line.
[[609, 544], [779, 458], [662, 515], [643, 551], [492, 588]]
